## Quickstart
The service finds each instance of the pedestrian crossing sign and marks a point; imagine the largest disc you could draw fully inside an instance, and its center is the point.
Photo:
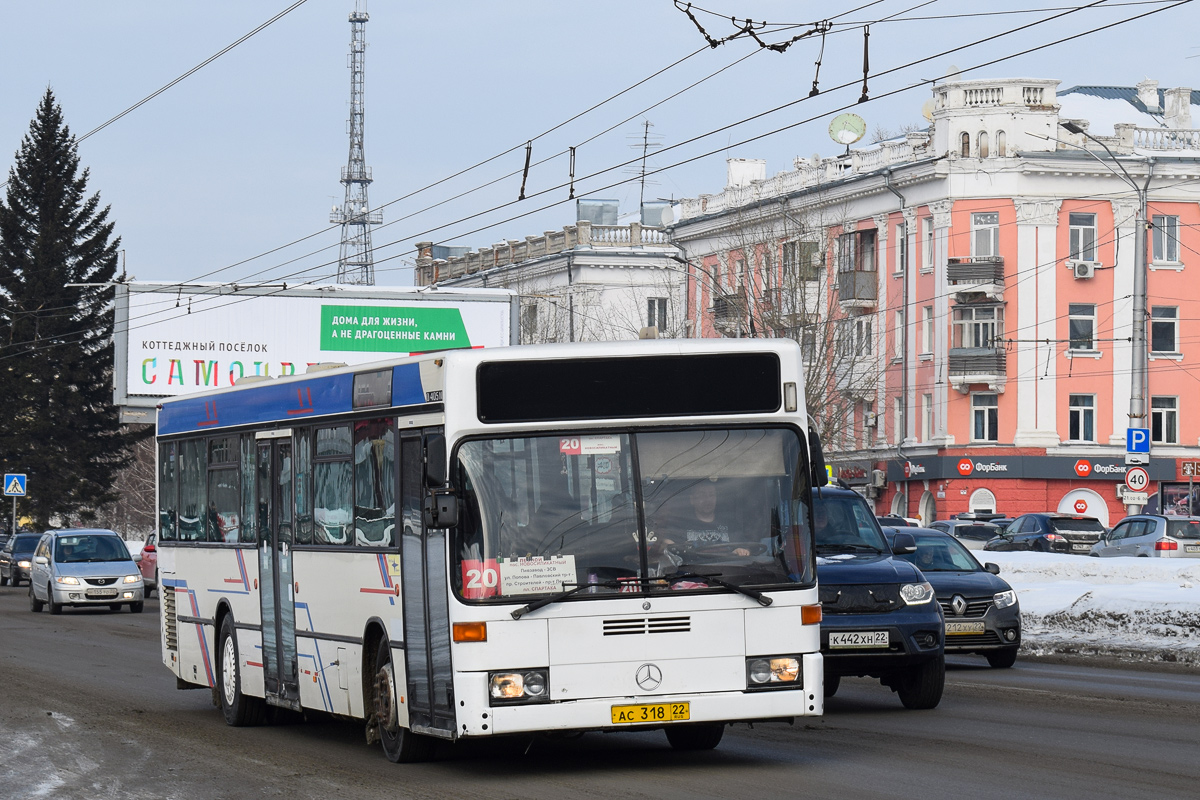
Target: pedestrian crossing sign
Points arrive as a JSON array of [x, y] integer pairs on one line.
[[14, 485]]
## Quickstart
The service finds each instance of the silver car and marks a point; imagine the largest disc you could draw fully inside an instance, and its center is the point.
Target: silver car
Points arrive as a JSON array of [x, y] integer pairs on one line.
[[84, 567], [1152, 536]]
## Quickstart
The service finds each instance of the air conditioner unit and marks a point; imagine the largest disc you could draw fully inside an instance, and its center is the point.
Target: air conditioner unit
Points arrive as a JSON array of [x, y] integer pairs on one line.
[[1083, 269], [878, 478], [870, 419]]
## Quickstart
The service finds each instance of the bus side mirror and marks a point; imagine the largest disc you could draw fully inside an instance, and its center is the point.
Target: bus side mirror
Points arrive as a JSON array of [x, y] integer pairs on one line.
[[440, 509], [816, 458], [435, 460]]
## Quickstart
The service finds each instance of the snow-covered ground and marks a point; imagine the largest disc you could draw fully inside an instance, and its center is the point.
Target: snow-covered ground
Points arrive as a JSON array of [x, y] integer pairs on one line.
[[1141, 608]]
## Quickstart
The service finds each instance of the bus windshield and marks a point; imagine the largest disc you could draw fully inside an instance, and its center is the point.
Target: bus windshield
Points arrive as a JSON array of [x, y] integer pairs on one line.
[[631, 512]]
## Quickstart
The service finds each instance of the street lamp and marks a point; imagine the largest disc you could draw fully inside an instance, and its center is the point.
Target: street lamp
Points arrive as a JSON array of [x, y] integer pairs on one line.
[[1137, 396]]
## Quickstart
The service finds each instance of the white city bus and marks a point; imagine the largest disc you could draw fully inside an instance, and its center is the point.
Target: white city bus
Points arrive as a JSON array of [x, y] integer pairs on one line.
[[484, 542]]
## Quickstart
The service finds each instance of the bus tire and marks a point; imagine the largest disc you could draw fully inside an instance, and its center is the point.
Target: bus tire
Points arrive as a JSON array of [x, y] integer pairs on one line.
[[239, 709], [400, 745], [695, 735]]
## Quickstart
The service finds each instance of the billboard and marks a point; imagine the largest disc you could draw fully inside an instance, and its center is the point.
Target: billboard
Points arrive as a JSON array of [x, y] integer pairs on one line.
[[172, 340]]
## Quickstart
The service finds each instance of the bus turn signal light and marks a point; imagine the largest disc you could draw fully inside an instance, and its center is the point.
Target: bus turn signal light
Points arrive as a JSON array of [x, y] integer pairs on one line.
[[470, 631], [810, 615]]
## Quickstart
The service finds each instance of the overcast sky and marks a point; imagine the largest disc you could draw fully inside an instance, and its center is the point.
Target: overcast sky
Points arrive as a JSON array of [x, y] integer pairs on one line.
[[243, 157]]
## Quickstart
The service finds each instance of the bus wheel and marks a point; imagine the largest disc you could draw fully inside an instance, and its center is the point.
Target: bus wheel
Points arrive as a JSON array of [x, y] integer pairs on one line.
[[695, 736], [399, 744], [239, 710]]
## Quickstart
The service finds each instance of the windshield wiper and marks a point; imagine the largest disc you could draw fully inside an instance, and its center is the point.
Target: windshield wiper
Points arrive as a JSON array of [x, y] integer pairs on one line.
[[554, 598], [843, 546], [714, 580]]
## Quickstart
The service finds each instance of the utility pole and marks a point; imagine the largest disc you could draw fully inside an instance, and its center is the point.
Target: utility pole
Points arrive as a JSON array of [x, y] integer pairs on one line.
[[1139, 383], [356, 263]]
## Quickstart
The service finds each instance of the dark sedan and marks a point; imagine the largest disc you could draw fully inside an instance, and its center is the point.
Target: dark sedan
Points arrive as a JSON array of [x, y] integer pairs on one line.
[[15, 557], [981, 609], [1049, 533]]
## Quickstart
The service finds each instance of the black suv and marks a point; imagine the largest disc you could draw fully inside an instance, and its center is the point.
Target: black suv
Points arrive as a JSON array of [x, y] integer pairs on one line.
[[1049, 533], [880, 616]]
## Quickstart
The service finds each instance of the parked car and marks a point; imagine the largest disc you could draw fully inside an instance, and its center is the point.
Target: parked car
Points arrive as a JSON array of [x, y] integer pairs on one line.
[[1152, 536], [15, 558], [148, 563], [972, 533], [880, 618], [890, 521], [981, 610], [83, 567], [1049, 533]]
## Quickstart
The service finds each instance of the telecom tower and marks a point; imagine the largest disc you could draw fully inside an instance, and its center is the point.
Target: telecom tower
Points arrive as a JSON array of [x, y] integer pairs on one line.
[[355, 261]]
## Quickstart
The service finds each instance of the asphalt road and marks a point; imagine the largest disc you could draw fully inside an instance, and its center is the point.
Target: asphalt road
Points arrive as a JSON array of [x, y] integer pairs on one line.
[[87, 710]]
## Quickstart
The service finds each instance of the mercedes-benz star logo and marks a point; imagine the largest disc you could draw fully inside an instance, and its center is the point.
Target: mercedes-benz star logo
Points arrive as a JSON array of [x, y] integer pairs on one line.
[[958, 605], [649, 677]]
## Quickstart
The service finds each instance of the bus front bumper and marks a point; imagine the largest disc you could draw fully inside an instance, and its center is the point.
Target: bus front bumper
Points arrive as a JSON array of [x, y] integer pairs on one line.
[[596, 714]]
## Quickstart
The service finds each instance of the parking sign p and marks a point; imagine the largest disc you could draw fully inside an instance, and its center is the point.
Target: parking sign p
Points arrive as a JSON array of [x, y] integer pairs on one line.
[[1137, 440]]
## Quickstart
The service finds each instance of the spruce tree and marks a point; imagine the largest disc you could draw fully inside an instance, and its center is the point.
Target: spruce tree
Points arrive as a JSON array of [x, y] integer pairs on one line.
[[58, 424]]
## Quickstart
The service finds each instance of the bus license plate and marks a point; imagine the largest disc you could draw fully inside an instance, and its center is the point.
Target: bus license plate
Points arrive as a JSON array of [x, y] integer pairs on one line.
[[651, 712], [858, 639], [101, 592], [964, 627]]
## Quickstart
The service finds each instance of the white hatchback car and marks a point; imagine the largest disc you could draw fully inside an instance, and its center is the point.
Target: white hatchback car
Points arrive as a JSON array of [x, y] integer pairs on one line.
[[1153, 536], [84, 567]]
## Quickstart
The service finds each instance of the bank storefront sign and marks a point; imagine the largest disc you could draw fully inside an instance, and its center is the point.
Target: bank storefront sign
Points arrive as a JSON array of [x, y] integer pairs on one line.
[[1042, 467]]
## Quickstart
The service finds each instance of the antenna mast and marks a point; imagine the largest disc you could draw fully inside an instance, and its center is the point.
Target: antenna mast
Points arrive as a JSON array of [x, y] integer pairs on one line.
[[355, 261]]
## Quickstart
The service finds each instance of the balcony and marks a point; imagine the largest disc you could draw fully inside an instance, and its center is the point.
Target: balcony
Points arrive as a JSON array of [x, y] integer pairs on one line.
[[970, 365], [728, 312], [857, 289], [976, 274]]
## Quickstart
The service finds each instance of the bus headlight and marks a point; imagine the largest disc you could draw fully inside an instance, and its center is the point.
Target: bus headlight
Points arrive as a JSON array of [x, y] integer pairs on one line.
[[524, 686], [773, 671]]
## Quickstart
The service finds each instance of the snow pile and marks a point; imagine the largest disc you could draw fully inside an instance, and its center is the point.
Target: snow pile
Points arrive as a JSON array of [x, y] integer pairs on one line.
[[1144, 608]]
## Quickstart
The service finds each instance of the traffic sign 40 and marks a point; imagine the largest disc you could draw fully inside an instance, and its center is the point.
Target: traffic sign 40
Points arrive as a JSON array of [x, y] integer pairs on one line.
[[1137, 479]]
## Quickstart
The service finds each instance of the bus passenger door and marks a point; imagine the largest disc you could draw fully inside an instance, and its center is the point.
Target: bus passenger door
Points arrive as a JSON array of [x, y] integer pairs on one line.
[[425, 591], [276, 588]]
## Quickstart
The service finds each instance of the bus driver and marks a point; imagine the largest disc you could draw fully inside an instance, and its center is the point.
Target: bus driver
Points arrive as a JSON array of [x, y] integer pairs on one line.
[[703, 527]]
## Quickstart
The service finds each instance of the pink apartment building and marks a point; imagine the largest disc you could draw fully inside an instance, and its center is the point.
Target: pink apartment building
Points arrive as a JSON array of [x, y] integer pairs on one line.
[[965, 294]]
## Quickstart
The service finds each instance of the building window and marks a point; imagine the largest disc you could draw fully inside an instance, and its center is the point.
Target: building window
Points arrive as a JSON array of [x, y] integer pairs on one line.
[[978, 326], [1000, 151], [1082, 326], [985, 234], [808, 347], [927, 244], [986, 417], [897, 420], [656, 313], [1082, 417], [901, 248], [1164, 420], [983, 144], [1164, 329], [965, 145], [856, 251], [869, 423], [927, 329], [898, 344], [863, 336], [737, 275], [926, 417], [1166, 238], [1082, 236], [802, 259]]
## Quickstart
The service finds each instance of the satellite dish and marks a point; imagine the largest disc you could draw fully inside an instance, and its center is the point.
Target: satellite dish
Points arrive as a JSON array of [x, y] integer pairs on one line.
[[953, 73], [847, 129], [927, 109]]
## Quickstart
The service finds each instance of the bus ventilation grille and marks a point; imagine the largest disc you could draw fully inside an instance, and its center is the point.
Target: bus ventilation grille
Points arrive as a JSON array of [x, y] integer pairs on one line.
[[169, 625], [630, 627]]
